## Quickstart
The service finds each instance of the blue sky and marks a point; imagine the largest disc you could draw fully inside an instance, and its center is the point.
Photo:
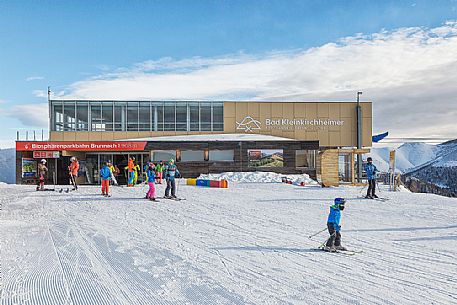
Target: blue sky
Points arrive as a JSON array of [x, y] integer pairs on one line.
[[63, 43]]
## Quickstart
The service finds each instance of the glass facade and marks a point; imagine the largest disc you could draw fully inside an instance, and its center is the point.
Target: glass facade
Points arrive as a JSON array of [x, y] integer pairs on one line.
[[136, 116]]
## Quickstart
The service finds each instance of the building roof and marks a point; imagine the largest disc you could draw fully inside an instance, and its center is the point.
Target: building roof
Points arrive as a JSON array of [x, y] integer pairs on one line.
[[214, 137]]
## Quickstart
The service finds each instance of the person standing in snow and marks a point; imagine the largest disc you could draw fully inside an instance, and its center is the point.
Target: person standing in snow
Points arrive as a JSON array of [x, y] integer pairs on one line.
[[131, 174], [73, 169], [334, 228], [170, 172], [159, 170], [112, 170], [371, 171], [42, 171], [105, 175], [151, 178]]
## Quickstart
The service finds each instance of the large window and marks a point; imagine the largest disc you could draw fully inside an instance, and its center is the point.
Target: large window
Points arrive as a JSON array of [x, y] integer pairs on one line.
[[221, 155], [205, 116], [69, 116], [305, 159], [218, 117], [57, 113], [145, 116], [120, 116], [132, 116], [96, 117], [107, 116], [163, 155], [192, 155], [136, 116], [194, 116], [181, 117], [82, 116], [159, 113], [169, 117]]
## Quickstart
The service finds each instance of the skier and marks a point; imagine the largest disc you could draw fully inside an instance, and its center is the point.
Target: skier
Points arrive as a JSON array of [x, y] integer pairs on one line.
[[170, 172], [371, 171], [136, 170], [105, 174], [151, 178], [131, 174], [73, 172], [159, 171], [42, 171], [112, 170], [333, 243]]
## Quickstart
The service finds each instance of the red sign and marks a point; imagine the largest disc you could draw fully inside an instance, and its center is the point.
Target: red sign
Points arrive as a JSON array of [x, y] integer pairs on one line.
[[255, 154], [81, 146], [46, 154]]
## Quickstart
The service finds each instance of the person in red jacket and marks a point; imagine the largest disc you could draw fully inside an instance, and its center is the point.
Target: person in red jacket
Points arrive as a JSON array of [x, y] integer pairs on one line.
[[131, 173], [73, 172]]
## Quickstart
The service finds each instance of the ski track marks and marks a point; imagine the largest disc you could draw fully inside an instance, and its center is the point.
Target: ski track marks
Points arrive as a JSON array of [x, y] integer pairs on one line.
[[243, 245]]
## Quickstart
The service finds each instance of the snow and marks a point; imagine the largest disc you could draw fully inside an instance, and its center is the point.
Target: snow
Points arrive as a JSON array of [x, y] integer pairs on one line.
[[259, 177], [247, 244], [215, 137]]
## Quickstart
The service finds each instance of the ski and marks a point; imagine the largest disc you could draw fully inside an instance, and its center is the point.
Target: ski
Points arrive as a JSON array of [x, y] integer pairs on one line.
[[344, 252], [171, 198], [382, 199]]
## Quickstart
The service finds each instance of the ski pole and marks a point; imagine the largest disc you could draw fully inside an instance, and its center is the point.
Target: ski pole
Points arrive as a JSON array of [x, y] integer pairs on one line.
[[317, 233]]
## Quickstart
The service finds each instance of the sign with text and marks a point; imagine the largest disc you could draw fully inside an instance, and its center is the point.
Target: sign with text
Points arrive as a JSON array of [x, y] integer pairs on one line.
[[81, 146], [249, 124], [46, 154]]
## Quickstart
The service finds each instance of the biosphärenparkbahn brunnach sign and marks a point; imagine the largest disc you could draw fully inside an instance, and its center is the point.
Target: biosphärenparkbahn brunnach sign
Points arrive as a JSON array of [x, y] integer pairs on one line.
[[249, 124]]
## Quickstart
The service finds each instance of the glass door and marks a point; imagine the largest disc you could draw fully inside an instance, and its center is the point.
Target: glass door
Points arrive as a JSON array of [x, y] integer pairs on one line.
[[345, 168]]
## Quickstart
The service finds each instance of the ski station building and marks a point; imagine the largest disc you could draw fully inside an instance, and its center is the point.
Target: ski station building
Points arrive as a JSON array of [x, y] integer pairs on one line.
[[317, 138]]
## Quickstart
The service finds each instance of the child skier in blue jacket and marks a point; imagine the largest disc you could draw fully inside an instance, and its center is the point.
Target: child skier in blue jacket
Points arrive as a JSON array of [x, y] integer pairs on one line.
[[105, 174], [333, 224]]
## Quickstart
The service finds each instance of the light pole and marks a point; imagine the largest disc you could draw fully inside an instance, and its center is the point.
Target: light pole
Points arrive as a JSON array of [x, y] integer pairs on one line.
[[359, 137]]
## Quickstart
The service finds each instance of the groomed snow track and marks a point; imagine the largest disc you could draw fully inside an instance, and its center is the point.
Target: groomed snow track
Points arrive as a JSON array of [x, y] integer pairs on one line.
[[244, 245]]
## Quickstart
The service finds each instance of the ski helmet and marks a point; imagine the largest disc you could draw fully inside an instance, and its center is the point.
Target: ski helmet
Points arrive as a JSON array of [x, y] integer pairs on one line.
[[43, 161], [339, 202], [172, 161], [72, 159], [369, 159]]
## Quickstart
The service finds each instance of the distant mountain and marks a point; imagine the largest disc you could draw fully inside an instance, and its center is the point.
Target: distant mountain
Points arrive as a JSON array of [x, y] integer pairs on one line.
[[8, 165], [410, 156], [425, 167]]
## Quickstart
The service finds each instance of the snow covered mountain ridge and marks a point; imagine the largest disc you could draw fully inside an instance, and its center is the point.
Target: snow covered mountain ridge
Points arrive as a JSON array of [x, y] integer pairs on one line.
[[412, 156]]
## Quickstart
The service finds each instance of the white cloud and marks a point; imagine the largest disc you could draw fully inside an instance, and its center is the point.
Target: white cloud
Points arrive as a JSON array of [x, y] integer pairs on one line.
[[31, 78], [409, 74], [34, 115], [40, 93]]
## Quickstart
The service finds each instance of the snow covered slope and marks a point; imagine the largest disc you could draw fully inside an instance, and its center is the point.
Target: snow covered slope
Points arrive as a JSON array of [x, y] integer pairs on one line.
[[8, 165], [244, 245]]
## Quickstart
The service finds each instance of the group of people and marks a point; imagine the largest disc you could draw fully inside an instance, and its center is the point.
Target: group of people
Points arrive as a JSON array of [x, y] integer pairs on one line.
[[154, 174]]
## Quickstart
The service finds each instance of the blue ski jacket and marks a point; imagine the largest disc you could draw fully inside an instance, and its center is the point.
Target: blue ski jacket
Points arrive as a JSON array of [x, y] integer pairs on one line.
[[371, 171], [151, 175], [334, 217], [171, 171], [105, 173]]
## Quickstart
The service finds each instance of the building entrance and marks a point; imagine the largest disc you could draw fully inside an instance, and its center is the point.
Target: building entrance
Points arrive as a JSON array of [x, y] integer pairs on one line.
[[94, 163]]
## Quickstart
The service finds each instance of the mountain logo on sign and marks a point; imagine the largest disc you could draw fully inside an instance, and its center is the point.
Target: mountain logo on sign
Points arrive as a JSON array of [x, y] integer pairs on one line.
[[248, 124]]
